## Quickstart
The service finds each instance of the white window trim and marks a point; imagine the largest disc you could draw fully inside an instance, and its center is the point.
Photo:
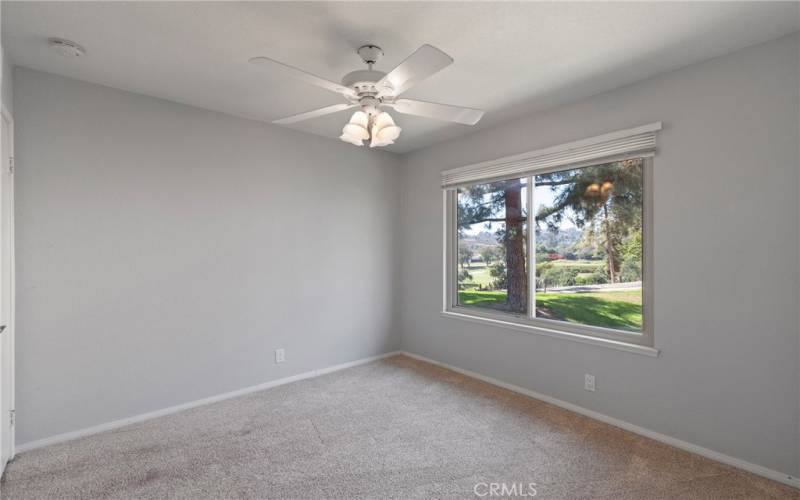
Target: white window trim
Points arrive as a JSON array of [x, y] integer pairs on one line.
[[556, 333], [641, 343]]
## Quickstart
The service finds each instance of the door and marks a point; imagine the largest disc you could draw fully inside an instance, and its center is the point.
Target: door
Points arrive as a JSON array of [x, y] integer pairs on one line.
[[6, 290]]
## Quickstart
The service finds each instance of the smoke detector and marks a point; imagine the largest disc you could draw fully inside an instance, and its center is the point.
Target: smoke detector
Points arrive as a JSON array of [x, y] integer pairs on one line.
[[66, 48]]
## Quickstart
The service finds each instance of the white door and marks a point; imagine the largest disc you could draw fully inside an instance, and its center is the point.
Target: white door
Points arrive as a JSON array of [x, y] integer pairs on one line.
[[6, 291]]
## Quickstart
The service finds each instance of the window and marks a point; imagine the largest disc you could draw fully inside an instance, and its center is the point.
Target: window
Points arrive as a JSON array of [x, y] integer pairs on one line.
[[588, 261], [561, 248], [492, 246]]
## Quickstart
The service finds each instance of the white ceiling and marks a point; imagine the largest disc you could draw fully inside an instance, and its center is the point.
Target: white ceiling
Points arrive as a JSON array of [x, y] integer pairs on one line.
[[510, 58]]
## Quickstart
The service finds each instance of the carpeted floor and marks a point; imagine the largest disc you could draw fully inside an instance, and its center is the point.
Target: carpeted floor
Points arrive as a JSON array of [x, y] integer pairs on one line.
[[397, 428]]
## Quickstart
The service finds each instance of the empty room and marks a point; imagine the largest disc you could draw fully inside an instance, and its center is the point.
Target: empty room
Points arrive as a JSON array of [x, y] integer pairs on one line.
[[338, 250]]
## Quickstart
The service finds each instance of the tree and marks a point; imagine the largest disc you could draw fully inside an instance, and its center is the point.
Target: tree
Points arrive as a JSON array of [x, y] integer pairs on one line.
[[604, 199], [500, 275], [464, 255], [501, 203], [631, 254], [489, 255], [542, 267]]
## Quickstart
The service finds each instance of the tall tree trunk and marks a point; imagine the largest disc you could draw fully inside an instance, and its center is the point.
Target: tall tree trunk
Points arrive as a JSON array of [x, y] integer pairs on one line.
[[611, 257], [517, 276]]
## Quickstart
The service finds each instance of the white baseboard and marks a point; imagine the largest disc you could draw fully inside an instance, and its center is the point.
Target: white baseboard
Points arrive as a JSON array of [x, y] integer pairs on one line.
[[68, 436], [678, 443]]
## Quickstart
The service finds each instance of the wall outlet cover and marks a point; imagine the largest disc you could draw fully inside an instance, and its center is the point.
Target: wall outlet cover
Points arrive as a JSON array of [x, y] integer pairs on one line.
[[588, 382]]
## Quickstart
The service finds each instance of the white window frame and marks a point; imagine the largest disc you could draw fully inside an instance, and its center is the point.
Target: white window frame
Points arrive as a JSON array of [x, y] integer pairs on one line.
[[638, 342]]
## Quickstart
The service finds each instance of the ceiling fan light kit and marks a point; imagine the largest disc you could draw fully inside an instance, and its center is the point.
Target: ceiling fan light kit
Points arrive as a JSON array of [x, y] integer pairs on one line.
[[356, 132], [384, 131], [372, 90]]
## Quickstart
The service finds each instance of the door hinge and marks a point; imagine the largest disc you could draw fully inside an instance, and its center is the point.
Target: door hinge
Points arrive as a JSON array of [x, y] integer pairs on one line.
[[12, 417], [10, 164]]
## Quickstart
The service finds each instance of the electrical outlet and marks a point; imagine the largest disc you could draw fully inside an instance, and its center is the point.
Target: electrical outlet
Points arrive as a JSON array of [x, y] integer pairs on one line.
[[588, 382], [280, 355]]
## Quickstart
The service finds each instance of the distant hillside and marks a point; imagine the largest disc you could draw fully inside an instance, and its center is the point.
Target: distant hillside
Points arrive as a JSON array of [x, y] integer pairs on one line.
[[561, 241], [482, 239]]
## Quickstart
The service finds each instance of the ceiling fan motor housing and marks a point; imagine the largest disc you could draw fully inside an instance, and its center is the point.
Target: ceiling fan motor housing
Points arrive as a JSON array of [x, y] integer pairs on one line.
[[363, 81]]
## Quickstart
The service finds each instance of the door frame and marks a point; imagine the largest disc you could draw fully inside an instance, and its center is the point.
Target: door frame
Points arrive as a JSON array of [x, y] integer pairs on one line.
[[8, 246]]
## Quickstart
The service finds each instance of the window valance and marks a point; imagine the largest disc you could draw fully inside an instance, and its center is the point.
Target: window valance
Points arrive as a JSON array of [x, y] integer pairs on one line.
[[619, 145]]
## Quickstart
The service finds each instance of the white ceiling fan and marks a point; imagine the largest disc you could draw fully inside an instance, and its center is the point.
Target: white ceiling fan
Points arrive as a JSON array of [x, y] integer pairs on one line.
[[372, 90]]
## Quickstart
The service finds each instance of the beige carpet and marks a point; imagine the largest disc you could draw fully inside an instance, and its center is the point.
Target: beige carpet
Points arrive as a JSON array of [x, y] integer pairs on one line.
[[397, 428]]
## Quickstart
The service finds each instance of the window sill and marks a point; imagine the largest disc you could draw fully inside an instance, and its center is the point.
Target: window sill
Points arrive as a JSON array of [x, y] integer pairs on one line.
[[576, 337]]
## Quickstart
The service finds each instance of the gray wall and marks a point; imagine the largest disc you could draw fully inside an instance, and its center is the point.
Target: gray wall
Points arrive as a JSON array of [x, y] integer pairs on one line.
[[726, 259], [164, 252]]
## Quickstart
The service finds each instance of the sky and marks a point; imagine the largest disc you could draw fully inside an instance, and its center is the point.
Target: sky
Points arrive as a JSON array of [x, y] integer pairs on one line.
[[542, 196]]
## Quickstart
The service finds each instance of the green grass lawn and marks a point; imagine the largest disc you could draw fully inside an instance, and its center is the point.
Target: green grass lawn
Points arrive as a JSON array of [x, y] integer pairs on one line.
[[621, 310], [480, 274]]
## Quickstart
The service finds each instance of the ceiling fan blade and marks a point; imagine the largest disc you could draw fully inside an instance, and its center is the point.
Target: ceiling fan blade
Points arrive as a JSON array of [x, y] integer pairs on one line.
[[314, 113], [423, 63], [267, 63], [467, 116]]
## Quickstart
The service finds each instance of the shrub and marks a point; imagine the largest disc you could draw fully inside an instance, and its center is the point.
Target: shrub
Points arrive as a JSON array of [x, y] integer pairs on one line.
[[596, 278], [631, 270], [582, 269], [560, 276]]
